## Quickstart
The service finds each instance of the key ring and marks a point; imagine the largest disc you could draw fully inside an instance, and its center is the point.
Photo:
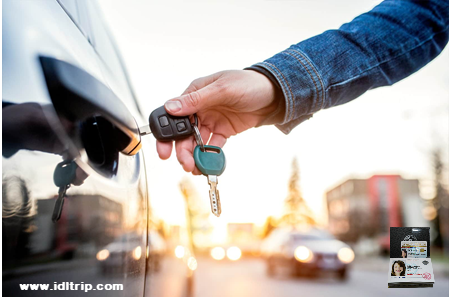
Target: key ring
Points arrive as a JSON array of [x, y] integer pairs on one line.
[[196, 119], [197, 134]]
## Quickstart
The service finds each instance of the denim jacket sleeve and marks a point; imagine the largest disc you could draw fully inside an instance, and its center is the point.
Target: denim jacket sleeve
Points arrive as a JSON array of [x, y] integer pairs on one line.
[[378, 48]]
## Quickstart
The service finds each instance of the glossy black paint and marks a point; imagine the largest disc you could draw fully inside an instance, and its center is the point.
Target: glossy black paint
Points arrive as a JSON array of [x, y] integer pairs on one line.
[[110, 231]]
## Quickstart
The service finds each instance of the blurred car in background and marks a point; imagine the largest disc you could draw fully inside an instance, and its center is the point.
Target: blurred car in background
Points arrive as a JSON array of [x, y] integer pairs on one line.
[[67, 96], [231, 252], [307, 252], [125, 248]]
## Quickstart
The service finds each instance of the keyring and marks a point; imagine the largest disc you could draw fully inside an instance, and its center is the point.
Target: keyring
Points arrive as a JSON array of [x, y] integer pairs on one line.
[[196, 119], [197, 134]]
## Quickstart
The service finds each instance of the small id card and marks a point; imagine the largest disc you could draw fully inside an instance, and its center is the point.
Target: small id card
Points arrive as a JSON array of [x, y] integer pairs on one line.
[[414, 249], [410, 270]]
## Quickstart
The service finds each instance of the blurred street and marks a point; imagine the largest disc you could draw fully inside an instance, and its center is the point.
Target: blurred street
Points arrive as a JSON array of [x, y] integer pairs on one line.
[[248, 277]]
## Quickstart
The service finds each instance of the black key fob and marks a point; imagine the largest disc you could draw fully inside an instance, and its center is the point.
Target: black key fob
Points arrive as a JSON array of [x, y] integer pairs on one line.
[[166, 127]]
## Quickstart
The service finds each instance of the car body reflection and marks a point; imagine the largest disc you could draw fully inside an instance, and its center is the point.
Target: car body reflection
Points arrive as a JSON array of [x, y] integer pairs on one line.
[[108, 222], [156, 251], [120, 254]]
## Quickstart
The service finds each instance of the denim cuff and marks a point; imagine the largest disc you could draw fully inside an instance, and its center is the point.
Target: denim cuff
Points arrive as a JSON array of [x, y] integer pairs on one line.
[[301, 85]]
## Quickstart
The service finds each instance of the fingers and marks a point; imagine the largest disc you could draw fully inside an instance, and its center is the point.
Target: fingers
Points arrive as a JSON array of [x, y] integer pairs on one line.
[[164, 149], [191, 103], [80, 176], [217, 140], [200, 83], [202, 93], [184, 153], [184, 150], [185, 147]]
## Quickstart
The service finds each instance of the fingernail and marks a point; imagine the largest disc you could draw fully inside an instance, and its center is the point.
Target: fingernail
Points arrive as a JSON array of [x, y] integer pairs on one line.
[[173, 105]]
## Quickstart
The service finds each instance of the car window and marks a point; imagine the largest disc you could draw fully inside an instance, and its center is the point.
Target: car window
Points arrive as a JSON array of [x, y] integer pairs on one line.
[[111, 62], [77, 14]]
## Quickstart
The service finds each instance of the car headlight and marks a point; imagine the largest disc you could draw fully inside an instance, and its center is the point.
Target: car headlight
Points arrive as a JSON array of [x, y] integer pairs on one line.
[[137, 253], [234, 253], [218, 253], [346, 255], [303, 254], [179, 252], [102, 255]]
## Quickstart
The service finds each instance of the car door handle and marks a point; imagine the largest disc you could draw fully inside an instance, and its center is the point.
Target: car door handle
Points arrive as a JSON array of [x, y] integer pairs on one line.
[[78, 95]]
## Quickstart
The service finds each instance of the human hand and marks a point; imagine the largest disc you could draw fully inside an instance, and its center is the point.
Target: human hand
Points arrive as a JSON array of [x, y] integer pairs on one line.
[[227, 103]]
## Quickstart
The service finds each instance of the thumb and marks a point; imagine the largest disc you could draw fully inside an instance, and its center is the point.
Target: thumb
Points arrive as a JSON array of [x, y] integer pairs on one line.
[[193, 102]]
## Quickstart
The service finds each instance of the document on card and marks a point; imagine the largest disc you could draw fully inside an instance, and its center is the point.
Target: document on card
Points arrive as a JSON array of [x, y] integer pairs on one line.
[[414, 249]]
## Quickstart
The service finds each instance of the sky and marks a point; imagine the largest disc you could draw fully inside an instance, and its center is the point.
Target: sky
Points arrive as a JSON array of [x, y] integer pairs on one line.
[[167, 44]]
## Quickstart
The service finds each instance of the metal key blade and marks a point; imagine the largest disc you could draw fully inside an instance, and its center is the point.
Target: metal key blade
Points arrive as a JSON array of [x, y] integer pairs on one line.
[[214, 195], [145, 130], [59, 204]]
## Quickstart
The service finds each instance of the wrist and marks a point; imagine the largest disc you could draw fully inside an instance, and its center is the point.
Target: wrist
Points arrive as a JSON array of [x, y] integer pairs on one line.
[[274, 111]]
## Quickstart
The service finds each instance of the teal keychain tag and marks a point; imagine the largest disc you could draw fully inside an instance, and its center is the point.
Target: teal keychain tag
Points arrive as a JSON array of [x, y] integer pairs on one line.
[[211, 161]]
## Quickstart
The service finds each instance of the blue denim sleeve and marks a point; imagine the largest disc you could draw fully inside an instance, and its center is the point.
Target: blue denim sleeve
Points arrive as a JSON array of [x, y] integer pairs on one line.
[[377, 48]]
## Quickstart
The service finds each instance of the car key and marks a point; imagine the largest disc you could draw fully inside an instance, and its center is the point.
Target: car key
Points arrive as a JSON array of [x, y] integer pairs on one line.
[[166, 127], [211, 162], [64, 174]]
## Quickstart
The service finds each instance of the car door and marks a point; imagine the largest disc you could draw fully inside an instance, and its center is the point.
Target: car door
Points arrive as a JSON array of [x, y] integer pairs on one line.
[[170, 257], [58, 105]]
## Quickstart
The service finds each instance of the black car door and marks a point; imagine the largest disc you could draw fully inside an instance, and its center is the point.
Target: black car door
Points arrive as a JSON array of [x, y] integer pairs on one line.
[[58, 106]]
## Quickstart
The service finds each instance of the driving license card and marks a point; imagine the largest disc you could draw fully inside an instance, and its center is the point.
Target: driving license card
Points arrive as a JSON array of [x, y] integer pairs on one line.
[[419, 269], [414, 249], [410, 270]]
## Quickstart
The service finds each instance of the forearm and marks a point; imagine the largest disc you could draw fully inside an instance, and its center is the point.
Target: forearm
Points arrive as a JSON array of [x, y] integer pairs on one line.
[[377, 48]]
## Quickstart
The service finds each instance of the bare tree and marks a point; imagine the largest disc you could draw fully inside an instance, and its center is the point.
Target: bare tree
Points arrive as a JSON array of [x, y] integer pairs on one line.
[[440, 195], [197, 214], [297, 212], [270, 225]]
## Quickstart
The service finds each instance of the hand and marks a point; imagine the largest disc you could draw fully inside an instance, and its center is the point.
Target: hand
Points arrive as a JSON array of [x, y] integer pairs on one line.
[[227, 103]]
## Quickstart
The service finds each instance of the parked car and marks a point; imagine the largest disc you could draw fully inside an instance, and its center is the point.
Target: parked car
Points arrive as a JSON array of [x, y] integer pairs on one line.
[[306, 252], [113, 257], [67, 97]]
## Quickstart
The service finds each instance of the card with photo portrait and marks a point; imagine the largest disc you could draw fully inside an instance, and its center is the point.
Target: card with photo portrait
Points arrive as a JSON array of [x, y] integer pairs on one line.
[[412, 271]]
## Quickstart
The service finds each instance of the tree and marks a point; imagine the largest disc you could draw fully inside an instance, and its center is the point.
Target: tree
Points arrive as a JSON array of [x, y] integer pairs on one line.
[[197, 213], [270, 225], [296, 211], [440, 195]]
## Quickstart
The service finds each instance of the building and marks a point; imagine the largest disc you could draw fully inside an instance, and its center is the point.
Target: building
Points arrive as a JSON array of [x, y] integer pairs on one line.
[[73, 229], [369, 207]]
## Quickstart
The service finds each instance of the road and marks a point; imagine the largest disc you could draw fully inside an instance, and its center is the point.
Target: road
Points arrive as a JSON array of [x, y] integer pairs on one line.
[[244, 278], [247, 277]]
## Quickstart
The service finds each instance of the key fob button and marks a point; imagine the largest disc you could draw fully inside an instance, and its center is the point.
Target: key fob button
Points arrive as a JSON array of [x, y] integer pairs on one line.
[[167, 131], [181, 126], [163, 121]]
